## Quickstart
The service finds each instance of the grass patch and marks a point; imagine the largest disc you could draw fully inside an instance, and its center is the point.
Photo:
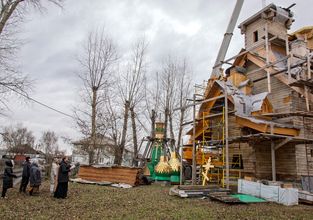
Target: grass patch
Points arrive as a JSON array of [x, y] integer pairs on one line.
[[145, 202]]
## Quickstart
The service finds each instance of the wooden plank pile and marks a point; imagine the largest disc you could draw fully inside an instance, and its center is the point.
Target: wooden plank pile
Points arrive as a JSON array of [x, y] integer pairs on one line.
[[188, 191], [305, 197], [113, 174]]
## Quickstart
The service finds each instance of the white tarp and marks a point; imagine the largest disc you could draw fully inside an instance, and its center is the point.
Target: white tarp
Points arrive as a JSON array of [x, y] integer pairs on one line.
[[286, 196], [269, 193]]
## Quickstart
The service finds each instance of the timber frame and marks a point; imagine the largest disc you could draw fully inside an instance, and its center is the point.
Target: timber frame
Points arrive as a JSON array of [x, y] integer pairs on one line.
[[264, 99]]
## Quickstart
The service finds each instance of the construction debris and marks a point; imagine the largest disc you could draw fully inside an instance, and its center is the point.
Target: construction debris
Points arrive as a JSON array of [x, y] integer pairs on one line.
[[225, 197], [112, 174], [213, 192], [307, 183], [80, 180], [273, 192], [121, 185], [305, 197], [248, 198], [195, 190]]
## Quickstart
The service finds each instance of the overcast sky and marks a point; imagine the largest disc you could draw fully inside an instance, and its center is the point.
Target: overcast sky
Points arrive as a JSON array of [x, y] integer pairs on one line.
[[192, 29]]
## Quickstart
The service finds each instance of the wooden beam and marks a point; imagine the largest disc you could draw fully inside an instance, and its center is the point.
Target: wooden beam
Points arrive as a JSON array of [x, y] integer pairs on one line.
[[194, 163], [247, 123], [207, 117], [226, 135], [279, 76], [266, 128], [200, 103], [244, 52], [285, 131], [273, 161], [282, 143], [269, 87], [268, 65]]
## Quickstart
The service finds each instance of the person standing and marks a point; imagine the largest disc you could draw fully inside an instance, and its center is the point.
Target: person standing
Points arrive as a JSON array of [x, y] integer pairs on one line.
[[7, 178], [63, 178], [25, 175], [34, 178], [54, 175]]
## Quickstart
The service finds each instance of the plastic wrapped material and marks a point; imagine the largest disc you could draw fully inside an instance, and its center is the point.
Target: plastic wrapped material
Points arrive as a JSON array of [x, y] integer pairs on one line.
[[270, 193], [249, 187], [286, 196]]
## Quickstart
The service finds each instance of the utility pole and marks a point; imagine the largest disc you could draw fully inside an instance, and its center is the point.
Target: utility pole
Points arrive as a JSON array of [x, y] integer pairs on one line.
[[194, 158], [226, 135]]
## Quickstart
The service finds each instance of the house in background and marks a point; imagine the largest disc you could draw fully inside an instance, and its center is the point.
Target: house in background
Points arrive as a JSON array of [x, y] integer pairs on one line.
[[20, 152], [104, 154]]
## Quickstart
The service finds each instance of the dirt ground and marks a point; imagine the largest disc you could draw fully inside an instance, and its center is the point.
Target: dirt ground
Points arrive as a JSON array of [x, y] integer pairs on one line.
[[145, 202]]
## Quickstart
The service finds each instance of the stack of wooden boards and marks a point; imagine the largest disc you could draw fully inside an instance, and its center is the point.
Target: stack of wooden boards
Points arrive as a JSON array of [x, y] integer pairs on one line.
[[112, 174], [186, 191]]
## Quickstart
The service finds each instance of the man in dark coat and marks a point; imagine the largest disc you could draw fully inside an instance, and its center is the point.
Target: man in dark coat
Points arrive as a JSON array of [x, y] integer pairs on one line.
[[63, 178], [7, 178], [25, 175], [34, 178]]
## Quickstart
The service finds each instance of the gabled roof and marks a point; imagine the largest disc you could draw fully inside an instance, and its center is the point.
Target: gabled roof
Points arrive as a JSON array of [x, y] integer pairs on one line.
[[256, 16], [25, 149], [281, 15]]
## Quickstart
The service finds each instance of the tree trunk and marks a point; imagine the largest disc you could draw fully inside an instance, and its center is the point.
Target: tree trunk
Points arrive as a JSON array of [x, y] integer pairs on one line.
[[165, 129], [91, 154], [120, 149], [153, 117], [172, 142], [135, 142], [93, 124], [165, 122], [180, 130]]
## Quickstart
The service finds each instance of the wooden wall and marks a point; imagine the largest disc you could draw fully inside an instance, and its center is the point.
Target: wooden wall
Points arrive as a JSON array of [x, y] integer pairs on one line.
[[274, 29], [280, 96], [286, 168], [304, 159], [263, 161]]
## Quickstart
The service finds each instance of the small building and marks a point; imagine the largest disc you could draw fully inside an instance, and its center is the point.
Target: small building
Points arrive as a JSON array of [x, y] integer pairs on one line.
[[19, 153], [104, 154]]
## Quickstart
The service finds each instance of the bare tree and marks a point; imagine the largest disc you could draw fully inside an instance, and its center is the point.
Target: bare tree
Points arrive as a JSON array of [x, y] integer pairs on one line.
[[169, 92], [12, 12], [184, 90], [131, 85], [18, 137], [49, 143], [152, 101], [175, 88], [97, 64]]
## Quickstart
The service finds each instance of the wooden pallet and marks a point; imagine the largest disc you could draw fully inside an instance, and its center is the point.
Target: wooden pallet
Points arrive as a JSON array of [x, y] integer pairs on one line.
[[224, 197]]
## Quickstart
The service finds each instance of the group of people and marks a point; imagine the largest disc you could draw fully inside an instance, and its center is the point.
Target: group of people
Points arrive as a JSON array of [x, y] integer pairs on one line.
[[32, 174], [59, 177]]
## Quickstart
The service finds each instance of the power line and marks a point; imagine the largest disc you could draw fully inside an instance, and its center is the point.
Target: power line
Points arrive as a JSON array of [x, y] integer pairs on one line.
[[38, 102]]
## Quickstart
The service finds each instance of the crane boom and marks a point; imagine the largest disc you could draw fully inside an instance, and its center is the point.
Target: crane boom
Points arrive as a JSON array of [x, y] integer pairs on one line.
[[227, 38]]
